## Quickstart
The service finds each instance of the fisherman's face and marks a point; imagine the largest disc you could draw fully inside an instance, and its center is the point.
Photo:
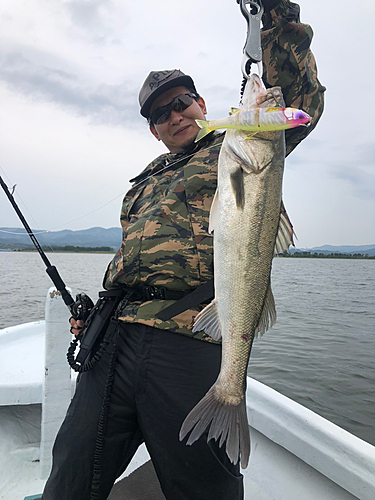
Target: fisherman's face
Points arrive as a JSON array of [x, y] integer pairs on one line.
[[179, 130]]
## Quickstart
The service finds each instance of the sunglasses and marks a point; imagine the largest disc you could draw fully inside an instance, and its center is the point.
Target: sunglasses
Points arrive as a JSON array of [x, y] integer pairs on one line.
[[179, 103]]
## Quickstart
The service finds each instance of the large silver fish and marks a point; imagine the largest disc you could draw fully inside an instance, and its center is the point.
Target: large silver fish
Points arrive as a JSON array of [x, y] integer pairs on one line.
[[249, 225]]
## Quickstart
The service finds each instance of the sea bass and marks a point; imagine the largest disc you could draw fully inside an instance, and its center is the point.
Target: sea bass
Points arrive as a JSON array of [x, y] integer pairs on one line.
[[249, 222]]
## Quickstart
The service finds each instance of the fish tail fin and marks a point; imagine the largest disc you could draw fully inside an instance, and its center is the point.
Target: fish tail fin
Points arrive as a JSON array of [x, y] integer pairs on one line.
[[205, 129], [228, 422]]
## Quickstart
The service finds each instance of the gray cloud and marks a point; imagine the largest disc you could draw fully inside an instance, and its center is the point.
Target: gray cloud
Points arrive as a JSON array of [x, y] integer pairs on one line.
[[365, 154], [362, 183], [105, 104], [90, 17], [306, 150], [86, 13], [354, 165]]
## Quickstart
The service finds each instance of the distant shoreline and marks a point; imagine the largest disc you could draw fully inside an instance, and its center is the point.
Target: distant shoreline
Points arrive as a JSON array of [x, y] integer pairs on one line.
[[316, 255], [109, 250]]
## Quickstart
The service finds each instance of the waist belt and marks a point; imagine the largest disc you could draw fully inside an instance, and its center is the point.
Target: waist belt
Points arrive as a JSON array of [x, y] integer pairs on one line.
[[185, 299]]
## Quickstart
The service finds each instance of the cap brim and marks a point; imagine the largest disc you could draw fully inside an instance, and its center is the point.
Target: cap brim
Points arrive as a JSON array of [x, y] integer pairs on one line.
[[180, 81]]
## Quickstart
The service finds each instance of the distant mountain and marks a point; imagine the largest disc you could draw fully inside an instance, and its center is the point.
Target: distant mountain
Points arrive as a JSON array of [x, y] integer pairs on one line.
[[345, 248], [350, 249], [11, 238]]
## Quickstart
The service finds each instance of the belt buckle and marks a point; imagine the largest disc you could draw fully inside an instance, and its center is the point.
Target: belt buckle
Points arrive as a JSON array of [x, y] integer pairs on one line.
[[153, 292], [121, 306]]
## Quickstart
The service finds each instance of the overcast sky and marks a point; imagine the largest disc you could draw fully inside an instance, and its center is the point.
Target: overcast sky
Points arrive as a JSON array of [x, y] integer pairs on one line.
[[71, 135]]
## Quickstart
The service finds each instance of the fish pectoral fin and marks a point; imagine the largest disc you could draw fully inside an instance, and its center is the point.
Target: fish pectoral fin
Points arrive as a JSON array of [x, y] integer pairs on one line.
[[227, 423], [208, 320], [214, 212], [285, 233], [204, 129], [236, 180], [236, 151], [268, 316]]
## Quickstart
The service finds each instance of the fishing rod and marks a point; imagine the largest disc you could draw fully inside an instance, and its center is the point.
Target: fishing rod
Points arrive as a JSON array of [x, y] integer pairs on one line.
[[95, 317], [78, 311]]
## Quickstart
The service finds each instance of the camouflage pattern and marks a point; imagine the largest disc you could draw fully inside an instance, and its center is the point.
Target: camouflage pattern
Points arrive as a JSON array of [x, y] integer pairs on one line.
[[289, 63], [165, 232], [165, 214]]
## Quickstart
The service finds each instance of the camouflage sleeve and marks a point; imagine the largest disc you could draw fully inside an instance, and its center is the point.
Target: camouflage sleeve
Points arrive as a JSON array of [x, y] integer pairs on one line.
[[289, 63]]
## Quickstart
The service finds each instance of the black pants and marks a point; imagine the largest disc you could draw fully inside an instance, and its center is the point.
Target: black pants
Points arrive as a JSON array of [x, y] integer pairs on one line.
[[158, 378]]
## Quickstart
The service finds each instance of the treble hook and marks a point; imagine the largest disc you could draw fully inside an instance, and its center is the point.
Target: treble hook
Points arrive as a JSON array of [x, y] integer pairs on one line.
[[252, 49]]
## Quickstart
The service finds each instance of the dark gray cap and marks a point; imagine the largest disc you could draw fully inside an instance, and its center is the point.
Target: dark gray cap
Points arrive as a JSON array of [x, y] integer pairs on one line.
[[158, 82]]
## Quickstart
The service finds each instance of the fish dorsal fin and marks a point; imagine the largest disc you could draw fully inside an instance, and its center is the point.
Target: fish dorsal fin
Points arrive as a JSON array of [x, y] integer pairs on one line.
[[208, 320], [268, 316], [214, 212], [233, 111], [272, 109], [285, 233]]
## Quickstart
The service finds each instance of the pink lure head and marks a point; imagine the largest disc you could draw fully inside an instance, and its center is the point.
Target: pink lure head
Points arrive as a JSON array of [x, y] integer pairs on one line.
[[296, 117]]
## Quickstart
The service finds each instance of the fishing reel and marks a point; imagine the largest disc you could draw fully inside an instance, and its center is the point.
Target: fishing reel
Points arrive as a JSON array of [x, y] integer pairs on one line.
[[82, 307]]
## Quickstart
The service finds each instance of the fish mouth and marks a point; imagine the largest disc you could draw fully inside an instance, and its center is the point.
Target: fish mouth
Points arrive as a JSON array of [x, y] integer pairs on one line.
[[181, 130]]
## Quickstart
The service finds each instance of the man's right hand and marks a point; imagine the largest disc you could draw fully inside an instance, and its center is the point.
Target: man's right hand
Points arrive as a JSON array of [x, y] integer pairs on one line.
[[75, 326], [268, 5]]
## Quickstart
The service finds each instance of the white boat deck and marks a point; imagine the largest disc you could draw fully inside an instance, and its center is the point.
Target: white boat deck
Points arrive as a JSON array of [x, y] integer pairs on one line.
[[21, 363], [22, 356], [295, 454]]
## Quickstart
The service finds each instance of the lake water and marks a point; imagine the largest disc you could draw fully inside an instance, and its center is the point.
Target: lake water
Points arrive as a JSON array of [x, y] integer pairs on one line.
[[320, 353]]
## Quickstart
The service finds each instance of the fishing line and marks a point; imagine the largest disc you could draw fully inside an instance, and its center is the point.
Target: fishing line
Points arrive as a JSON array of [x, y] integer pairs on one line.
[[48, 244], [28, 211], [74, 220], [23, 203], [113, 199], [56, 227], [174, 163]]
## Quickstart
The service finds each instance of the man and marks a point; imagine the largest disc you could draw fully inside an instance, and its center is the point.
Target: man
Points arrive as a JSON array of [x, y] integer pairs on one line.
[[155, 369]]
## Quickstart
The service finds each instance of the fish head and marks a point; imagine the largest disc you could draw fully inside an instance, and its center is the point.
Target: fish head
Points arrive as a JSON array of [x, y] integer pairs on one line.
[[253, 93], [254, 150]]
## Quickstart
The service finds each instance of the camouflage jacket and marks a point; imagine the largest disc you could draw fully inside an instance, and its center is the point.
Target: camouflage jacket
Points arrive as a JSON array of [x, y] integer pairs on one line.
[[165, 214]]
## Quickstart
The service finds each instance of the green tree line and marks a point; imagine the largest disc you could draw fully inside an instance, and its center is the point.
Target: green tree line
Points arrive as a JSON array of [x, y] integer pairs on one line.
[[335, 255]]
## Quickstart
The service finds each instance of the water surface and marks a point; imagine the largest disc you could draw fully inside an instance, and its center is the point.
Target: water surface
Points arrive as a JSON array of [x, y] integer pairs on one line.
[[320, 352]]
